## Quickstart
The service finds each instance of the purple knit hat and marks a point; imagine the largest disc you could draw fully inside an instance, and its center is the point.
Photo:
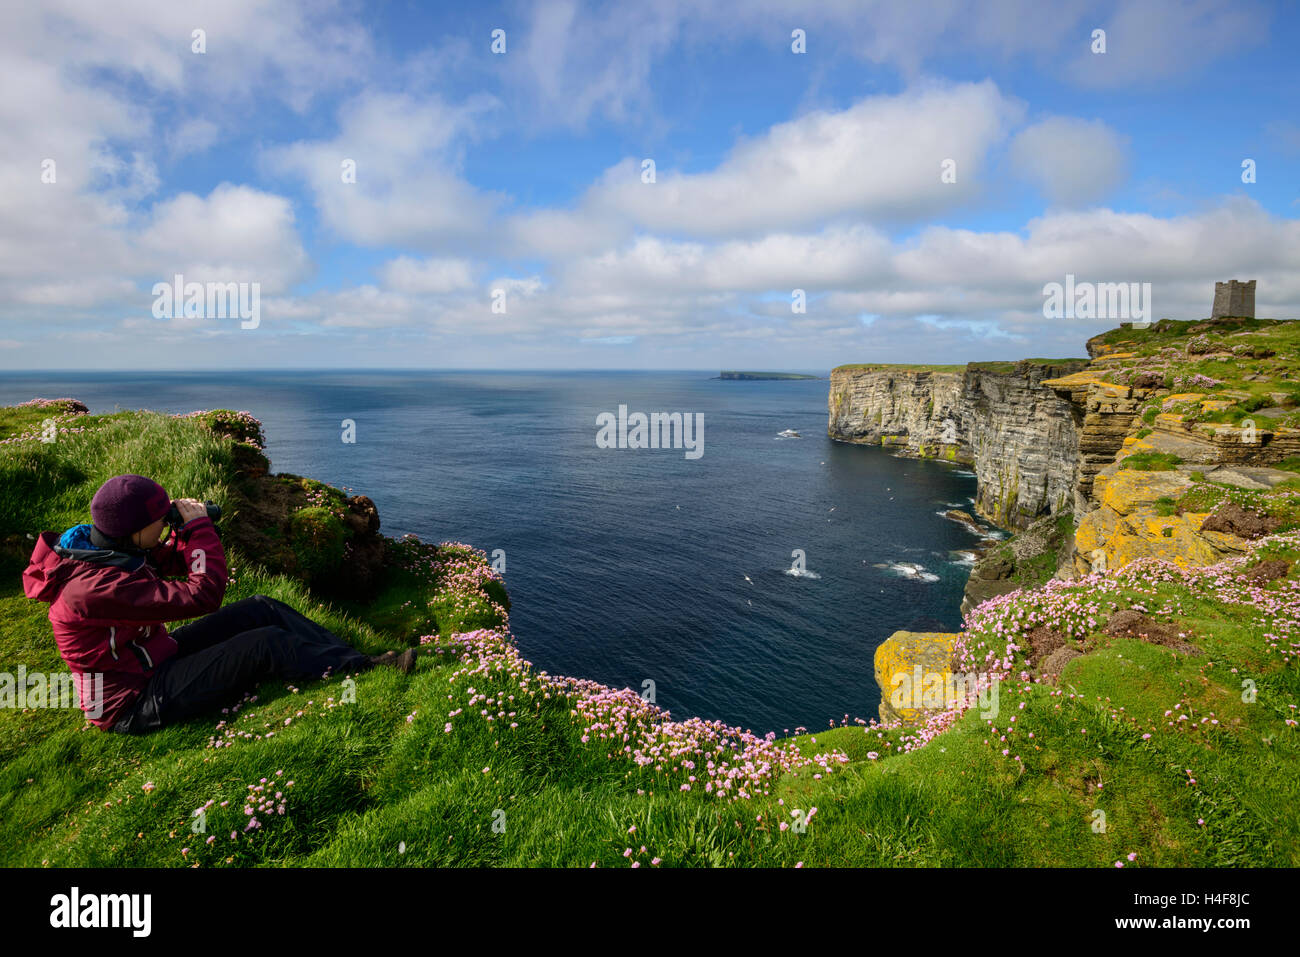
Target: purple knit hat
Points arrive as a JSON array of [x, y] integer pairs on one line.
[[127, 503]]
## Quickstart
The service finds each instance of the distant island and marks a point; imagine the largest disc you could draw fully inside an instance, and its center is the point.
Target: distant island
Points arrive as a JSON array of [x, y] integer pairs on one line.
[[765, 375]]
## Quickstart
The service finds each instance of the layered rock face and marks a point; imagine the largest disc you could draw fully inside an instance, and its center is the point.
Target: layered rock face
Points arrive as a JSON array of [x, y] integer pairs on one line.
[[1020, 437], [1128, 522], [1105, 413]]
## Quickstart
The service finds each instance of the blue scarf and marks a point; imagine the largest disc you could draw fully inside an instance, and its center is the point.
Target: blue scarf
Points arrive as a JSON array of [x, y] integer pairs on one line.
[[76, 543]]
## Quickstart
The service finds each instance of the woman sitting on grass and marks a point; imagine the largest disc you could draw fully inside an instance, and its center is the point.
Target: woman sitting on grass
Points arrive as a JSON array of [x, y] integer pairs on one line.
[[108, 604]]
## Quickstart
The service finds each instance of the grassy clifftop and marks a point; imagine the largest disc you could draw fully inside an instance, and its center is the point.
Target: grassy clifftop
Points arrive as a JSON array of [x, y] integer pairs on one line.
[[478, 758]]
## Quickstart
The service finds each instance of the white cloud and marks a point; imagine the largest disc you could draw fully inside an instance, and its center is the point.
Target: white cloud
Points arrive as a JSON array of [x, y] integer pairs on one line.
[[880, 159], [408, 275], [236, 233], [289, 50], [367, 307], [93, 87], [195, 135], [408, 189], [573, 61], [1073, 161], [946, 295], [778, 261], [1151, 40], [697, 266]]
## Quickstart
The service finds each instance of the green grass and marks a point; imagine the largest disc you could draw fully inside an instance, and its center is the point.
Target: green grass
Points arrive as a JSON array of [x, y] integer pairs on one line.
[[1007, 367], [1038, 568], [1001, 367], [897, 367], [1280, 501], [1151, 461], [379, 782], [1254, 362]]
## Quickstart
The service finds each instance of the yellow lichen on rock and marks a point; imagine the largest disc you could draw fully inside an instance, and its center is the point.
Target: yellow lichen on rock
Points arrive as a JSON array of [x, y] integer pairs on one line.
[[1127, 526], [1181, 397], [907, 663], [1083, 380], [1129, 489]]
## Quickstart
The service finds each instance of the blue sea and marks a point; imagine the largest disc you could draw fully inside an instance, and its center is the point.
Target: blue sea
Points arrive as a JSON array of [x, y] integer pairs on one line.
[[626, 565]]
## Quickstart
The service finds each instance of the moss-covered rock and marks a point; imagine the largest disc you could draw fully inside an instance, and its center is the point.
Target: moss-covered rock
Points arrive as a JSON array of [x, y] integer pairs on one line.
[[317, 537]]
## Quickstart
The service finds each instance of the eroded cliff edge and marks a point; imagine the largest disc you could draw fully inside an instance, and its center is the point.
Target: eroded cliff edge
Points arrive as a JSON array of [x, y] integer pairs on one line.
[[1178, 442], [1021, 438]]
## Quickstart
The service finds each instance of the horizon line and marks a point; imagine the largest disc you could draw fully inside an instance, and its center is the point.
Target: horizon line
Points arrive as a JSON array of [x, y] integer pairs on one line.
[[148, 372]]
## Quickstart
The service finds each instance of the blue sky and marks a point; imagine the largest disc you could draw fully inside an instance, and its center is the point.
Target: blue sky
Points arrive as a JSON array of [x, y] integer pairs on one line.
[[518, 174]]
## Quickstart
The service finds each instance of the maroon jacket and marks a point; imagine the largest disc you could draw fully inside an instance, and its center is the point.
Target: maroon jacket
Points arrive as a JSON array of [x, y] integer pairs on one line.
[[108, 618]]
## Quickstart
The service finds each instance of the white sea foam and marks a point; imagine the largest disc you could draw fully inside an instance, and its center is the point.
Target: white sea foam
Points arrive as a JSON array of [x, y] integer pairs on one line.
[[912, 570], [801, 573]]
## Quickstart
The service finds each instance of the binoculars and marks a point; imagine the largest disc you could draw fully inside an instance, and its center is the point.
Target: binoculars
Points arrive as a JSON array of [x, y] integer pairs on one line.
[[173, 517]]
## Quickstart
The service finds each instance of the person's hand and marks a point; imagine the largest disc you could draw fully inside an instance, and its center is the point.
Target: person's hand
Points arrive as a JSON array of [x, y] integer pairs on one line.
[[190, 508]]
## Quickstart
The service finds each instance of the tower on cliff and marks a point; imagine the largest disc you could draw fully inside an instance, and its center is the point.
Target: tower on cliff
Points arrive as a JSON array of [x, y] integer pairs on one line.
[[1234, 298]]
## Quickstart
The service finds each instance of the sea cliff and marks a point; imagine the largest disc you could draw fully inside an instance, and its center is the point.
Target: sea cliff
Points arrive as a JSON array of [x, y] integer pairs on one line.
[[1179, 443], [1020, 438]]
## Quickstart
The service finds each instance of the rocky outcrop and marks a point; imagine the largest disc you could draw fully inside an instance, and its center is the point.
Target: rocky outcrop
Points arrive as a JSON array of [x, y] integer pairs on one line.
[[1131, 513], [1104, 414], [1134, 521], [1210, 443], [908, 664], [1020, 437], [1026, 560]]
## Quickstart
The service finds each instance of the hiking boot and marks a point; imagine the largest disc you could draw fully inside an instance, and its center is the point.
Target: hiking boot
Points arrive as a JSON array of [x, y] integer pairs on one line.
[[403, 661]]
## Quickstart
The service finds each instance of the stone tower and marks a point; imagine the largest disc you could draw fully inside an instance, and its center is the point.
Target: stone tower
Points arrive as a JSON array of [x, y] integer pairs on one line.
[[1234, 298]]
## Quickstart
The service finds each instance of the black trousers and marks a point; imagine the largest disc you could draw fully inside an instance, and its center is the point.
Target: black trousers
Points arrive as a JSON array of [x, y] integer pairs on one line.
[[228, 652]]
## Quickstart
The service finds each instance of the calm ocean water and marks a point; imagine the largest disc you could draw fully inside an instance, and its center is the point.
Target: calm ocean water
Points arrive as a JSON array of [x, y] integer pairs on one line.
[[626, 564]]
